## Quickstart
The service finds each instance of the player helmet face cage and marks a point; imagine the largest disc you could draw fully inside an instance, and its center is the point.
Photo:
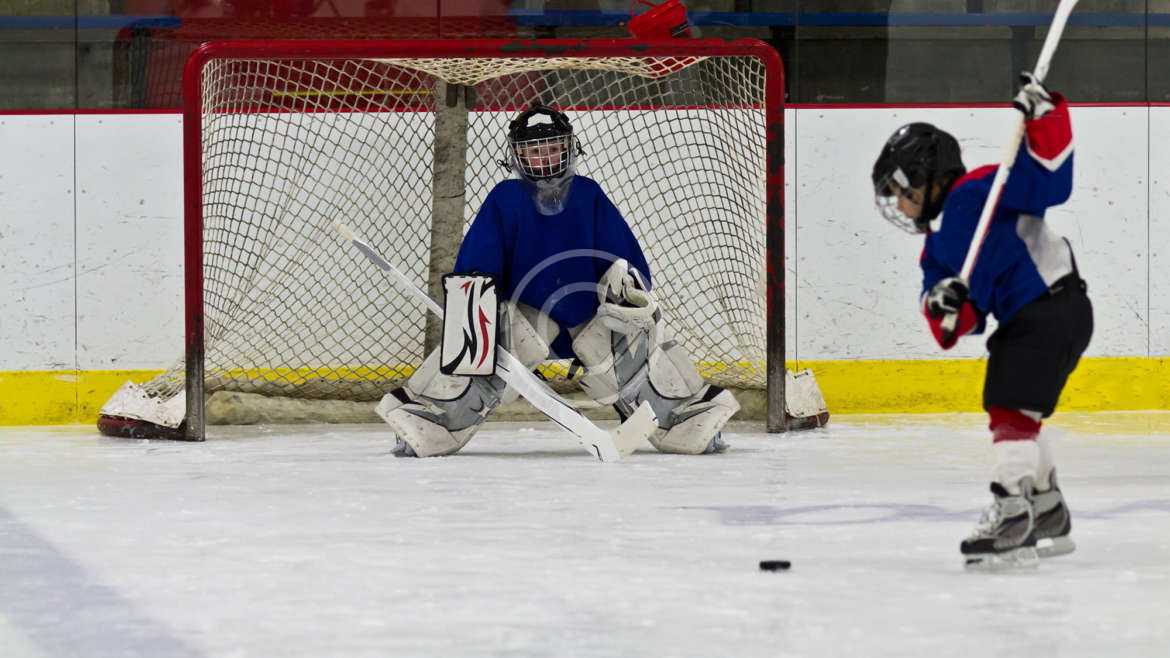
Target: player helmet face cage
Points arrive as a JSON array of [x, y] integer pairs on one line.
[[913, 160], [543, 153]]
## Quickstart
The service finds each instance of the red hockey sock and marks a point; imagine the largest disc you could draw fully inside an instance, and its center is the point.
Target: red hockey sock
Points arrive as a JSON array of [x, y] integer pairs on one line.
[[1011, 425]]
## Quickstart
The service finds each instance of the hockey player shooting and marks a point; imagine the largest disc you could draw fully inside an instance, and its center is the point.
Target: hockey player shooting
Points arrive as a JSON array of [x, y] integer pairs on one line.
[[1027, 278], [573, 283]]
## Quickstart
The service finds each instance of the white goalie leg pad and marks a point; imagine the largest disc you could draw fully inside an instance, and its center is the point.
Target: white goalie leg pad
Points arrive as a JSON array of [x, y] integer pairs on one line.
[[437, 414], [426, 437], [530, 334], [593, 346], [529, 337], [625, 370], [699, 411], [672, 371], [616, 343], [697, 422], [428, 382]]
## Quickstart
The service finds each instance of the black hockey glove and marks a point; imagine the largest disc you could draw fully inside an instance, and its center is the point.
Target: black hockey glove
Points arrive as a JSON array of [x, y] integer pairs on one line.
[[946, 297], [1033, 98]]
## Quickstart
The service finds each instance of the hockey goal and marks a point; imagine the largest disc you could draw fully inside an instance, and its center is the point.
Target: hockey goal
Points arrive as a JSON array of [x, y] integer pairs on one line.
[[400, 140]]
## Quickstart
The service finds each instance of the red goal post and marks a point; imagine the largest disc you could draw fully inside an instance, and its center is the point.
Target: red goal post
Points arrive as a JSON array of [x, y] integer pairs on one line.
[[399, 137]]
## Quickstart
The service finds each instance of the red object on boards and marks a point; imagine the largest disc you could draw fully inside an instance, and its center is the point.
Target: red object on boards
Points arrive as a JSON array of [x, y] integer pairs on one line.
[[663, 21]]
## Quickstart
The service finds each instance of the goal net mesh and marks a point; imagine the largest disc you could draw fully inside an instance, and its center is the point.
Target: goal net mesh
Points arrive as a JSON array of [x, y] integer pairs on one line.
[[289, 146]]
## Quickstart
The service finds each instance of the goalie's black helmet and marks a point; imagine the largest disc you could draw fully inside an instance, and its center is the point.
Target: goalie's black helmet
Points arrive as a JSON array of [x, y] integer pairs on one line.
[[541, 142], [917, 155], [542, 150]]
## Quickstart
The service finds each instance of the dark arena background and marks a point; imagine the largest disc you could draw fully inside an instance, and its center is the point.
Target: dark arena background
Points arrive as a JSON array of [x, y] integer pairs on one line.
[[129, 53]]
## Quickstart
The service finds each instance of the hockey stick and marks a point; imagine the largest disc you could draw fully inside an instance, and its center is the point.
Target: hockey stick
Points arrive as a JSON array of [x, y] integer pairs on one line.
[[607, 446], [1008, 158]]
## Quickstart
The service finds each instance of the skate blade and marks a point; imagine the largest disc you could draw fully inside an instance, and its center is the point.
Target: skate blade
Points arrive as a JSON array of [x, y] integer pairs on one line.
[[1054, 546], [1020, 558]]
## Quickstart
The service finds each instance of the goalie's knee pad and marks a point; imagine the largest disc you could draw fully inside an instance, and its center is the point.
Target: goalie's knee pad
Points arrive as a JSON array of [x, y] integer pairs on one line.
[[614, 370], [530, 334], [529, 337], [626, 370], [437, 414]]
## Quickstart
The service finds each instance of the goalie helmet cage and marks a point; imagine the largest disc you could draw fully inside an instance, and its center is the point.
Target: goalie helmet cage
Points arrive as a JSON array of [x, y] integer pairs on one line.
[[283, 137]]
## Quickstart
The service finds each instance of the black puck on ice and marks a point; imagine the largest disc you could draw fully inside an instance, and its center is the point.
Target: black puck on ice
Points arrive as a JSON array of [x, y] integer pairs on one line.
[[775, 565]]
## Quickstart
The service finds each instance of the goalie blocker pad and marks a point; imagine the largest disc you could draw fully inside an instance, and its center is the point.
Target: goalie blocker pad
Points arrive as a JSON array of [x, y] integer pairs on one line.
[[470, 325]]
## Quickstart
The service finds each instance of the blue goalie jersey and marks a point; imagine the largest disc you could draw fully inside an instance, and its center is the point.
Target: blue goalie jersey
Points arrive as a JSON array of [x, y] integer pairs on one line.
[[550, 262]]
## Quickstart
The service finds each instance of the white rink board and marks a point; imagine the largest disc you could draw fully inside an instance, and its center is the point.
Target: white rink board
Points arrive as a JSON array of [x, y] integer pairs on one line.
[[1108, 222], [1159, 216], [791, 235], [852, 280], [37, 313], [129, 240], [859, 282]]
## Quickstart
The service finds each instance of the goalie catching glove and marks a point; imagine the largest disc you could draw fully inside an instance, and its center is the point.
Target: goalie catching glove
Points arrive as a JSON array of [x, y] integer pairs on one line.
[[627, 307]]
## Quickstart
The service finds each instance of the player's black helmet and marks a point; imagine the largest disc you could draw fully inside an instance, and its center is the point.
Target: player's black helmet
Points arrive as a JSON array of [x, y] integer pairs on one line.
[[542, 150], [917, 155]]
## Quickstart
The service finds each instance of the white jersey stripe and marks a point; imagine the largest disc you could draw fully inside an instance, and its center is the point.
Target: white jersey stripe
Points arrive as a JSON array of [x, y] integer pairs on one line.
[[1054, 163], [1050, 252]]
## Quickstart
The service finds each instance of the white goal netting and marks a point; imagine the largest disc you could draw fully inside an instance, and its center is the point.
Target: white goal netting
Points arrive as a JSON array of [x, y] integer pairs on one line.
[[290, 145]]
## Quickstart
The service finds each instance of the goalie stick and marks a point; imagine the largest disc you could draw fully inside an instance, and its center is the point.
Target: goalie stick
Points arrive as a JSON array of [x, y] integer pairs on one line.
[[1008, 157], [606, 446]]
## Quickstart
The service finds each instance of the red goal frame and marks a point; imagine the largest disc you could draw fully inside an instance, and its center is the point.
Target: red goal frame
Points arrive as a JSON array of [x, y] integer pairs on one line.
[[777, 418]]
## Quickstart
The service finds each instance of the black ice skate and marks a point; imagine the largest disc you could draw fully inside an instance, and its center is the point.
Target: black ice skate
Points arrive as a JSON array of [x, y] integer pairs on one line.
[[1053, 522], [1005, 536]]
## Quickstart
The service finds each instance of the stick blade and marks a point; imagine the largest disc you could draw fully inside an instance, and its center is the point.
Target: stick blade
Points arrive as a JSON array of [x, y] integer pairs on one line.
[[636, 431]]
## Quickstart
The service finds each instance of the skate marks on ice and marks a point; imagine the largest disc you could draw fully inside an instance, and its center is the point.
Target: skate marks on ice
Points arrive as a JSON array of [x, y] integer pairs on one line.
[[58, 606], [868, 513]]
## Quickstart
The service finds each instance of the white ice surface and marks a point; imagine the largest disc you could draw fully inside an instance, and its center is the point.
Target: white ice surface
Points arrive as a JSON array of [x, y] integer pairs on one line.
[[289, 542]]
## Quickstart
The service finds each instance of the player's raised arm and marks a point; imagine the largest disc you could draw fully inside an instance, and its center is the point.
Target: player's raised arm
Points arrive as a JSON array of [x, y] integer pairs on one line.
[[1042, 174]]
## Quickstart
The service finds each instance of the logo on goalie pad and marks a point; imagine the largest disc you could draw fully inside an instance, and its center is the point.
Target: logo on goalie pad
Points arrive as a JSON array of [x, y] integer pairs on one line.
[[470, 328]]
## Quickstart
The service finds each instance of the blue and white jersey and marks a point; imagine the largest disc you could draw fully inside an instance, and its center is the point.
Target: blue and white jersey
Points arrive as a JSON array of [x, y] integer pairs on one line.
[[1021, 255], [550, 262]]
